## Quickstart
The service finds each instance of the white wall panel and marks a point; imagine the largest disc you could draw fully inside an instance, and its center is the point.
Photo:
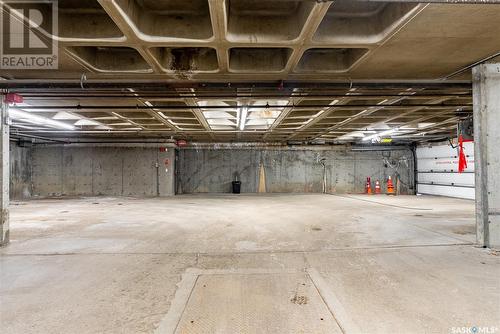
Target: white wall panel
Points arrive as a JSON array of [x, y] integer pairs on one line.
[[437, 168], [464, 179], [443, 151], [449, 191]]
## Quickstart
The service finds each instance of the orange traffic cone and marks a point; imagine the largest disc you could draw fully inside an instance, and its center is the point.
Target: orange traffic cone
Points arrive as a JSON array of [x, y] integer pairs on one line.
[[368, 186], [377, 187], [390, 187]]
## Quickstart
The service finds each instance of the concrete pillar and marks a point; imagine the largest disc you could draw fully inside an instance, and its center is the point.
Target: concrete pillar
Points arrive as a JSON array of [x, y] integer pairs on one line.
[[486, 87], [4, 173]]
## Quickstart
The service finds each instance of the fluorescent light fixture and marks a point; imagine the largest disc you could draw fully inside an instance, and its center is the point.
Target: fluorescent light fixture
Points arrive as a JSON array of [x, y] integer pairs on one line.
[[106, 118], [38, 120], [63, 115], [381, 134], [424, 125], [149, 104], [321, 112], [132, 91], [357, 134], [103, 127], [87, 122], [345, 137], [243, 118]]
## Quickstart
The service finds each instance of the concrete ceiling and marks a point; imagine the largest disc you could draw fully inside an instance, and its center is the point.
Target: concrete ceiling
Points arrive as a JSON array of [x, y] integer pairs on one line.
[[275, 114], [183, 43]]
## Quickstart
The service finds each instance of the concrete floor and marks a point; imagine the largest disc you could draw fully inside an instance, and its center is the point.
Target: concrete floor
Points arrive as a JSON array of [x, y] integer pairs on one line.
[[247, 264]]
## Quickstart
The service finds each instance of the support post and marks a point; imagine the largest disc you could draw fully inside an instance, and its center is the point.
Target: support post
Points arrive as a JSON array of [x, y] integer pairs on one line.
[[486, 96], [4, 173]]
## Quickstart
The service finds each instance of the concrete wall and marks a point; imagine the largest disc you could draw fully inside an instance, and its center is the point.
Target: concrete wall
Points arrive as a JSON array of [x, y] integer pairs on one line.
[[288, 170], [20, 172], [114, 171], [141, 171]]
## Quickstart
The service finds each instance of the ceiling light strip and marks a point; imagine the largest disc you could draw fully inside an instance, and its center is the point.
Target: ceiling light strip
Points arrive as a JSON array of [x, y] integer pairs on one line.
[[38, 120]]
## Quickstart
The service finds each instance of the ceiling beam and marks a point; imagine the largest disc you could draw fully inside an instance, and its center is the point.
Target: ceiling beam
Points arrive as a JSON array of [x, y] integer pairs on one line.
[[163, 85], [316, 106]]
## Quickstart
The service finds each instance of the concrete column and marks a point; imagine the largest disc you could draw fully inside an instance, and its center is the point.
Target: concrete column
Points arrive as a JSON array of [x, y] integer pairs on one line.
[[4, 173], [486, 87]]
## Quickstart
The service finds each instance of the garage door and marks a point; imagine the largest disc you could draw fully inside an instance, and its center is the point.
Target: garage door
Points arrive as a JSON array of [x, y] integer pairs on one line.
[[437, 168]]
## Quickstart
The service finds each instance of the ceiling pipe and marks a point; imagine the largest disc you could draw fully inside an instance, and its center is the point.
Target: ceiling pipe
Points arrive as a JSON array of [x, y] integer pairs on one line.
[[462, 70], [148, 84], [241, 95], [183, 107], [23, 135]]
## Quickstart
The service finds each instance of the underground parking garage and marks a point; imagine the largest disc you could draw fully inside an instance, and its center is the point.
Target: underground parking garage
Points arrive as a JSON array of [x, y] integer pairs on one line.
[[231, 166]]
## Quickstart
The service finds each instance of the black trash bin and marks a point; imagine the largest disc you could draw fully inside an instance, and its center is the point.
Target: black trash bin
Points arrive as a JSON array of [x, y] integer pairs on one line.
[[236, 187]]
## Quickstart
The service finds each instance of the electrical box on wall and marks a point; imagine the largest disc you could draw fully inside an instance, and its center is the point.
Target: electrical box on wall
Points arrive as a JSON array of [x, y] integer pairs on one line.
[[466, 129]]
